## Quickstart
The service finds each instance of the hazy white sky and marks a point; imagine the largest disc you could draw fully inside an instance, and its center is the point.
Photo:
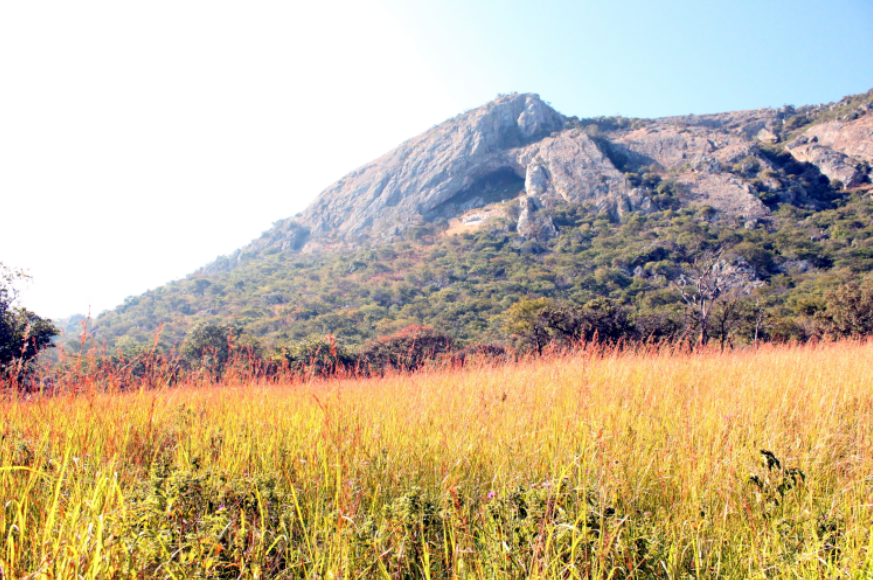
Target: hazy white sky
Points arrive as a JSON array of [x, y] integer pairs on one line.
[[140, 140]]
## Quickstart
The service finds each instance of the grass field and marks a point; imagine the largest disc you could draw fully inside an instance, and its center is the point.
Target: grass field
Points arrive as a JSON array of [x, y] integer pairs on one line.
[[609, 465]]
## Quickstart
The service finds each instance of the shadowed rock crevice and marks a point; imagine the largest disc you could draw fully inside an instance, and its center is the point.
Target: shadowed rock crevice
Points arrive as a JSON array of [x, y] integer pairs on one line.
[[497, 186]]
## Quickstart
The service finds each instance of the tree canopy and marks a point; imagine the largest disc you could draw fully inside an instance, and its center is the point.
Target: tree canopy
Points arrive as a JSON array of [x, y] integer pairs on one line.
[[23, 334]]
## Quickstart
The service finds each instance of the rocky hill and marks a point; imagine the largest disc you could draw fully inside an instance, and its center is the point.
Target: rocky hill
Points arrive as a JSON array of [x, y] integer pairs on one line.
[[517, 148], [514, 200]]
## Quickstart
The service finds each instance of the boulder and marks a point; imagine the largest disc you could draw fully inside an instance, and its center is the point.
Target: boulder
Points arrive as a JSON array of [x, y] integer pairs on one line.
[[534, 222], [853, 138], [834, 164]]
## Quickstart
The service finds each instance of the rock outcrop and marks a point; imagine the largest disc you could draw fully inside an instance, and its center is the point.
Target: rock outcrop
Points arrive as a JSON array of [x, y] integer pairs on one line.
[[518, 148], [571, 167], [700, 160], [514, 146], [830, 162], [761, 124], [853, 139], [534, 222], [435, 174]]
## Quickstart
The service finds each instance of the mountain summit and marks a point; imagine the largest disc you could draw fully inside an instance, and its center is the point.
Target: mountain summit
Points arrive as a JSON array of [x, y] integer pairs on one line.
[[513, 201], [518, 148], [479, 157]]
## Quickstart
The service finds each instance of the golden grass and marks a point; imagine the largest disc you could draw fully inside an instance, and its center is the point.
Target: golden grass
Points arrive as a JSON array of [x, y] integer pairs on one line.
[[615, 465]]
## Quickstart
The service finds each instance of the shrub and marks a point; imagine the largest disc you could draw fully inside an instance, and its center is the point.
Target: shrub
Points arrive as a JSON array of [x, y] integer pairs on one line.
[[317, 356], [408, 349]]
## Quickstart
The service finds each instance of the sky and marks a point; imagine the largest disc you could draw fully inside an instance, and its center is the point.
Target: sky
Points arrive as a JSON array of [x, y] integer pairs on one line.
[[141, 140]]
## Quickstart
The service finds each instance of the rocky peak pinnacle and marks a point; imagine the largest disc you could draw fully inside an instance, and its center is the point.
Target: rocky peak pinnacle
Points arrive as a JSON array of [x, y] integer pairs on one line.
[[517, 147], [461, 163]]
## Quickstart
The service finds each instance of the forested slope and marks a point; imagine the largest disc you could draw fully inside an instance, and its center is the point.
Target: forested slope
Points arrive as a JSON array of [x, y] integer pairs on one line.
[[463, 283], [513, 202]]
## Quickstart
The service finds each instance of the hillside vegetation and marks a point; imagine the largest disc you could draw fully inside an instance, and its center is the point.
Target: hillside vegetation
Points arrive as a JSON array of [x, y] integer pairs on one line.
[[465, 284], [597, 464], [529, 222]]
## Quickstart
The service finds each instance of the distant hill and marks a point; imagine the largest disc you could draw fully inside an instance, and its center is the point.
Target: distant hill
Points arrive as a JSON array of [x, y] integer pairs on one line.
[[515, 200]]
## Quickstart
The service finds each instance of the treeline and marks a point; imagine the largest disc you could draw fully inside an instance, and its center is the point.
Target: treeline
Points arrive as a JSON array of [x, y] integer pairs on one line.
[[215, 353], [671, 276], [721, 307], [465, 284]]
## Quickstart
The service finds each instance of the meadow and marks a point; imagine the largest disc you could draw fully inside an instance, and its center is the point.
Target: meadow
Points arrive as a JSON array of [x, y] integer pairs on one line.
[[654, 463]]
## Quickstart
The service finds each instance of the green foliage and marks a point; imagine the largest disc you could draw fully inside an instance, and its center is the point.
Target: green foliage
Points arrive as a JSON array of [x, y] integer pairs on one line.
[[522, 320], [464, 284], [211, 346], [539, 322], [216, 524], [317, 356], [408, 349], [23, 334], [849, 310]]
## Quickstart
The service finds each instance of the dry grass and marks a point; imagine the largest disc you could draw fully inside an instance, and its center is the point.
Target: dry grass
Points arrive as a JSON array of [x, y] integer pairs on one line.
[[581, 466]]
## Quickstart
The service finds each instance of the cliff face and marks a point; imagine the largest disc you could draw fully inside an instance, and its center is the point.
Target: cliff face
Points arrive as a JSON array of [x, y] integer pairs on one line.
[[518, 148], [851, 138], [842, 150], [699, 158], [457, 165]]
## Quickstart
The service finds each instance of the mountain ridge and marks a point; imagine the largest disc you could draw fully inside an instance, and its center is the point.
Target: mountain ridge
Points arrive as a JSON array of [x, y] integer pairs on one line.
[[600, 208], [518, 141]]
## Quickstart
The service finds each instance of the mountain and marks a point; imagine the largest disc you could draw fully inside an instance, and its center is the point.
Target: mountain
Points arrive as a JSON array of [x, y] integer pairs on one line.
[[518, 147], [540, 194]]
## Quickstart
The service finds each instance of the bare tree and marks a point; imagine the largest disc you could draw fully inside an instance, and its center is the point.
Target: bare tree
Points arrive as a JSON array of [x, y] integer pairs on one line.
[[711, 279]]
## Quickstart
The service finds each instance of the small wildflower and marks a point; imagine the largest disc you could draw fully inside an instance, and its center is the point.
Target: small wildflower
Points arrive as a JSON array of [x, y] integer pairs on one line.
[[492, 495]]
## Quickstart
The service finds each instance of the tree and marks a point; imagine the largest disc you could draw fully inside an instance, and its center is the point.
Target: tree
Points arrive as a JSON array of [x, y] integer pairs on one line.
[[23, 334], [730, 313], [317, 356], [601, 320], [849, 311], [521, 321], [212, 346], [540, 321], [408, 349], [712, 280]]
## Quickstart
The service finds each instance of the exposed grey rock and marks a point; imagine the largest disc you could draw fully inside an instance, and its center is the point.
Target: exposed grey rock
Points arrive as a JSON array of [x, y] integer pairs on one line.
[[516, 147], [538, 118], [801, 266], [853, 139], [724, 192], [748, 124], [697, 158], [766, 135], [493, 153], [483, 156], [537, 180], [535, 223], [434, 174], [678, 148], [575, 168], [833, 164]]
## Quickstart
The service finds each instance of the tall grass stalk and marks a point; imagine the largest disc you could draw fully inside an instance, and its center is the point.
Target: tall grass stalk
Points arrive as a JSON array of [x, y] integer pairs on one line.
[[595, 464]]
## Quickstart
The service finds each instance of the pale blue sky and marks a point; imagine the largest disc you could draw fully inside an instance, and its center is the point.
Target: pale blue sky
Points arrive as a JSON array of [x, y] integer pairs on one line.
[[645, 58], [146, 139]]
